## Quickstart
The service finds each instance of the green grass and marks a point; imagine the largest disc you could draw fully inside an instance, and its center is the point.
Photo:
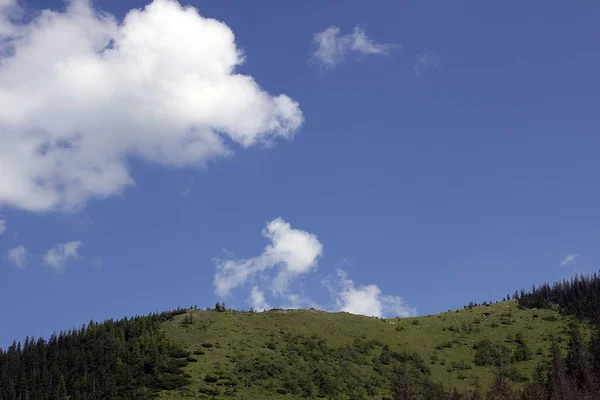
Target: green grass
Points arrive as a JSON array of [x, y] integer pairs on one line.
[[224, 340]]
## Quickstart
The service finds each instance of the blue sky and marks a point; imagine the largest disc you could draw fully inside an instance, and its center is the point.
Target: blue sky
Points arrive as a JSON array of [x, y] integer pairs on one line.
[[384, 159]]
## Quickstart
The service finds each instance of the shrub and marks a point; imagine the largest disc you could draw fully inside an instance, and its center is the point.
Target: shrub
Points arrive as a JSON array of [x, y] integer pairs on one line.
[[415, 322], [199, 352], [550, 318], [207, 345], [209, 391], [210, 379], [178, 353], [460, 366], [191, 359], [486, 353]]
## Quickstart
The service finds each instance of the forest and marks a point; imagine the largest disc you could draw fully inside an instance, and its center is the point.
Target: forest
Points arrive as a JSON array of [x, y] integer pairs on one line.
[[124, 359]]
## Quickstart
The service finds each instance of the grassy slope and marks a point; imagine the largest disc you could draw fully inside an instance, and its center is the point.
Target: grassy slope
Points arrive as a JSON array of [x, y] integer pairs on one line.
[[249, 332]]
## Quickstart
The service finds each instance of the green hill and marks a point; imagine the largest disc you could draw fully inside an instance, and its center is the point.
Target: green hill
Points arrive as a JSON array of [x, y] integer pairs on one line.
[[281, 354], [538, 347]]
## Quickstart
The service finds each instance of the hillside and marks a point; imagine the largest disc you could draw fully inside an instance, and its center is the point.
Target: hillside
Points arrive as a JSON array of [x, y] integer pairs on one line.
[[269, 355], [508, 350]]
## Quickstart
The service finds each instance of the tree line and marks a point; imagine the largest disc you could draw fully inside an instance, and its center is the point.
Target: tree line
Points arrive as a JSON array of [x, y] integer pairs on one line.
[[579, 296], [123, 359]]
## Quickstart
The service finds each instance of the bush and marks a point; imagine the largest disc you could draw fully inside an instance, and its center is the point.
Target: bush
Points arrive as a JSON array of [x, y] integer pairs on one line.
[[199, 352], [191, 359], [207, 345], [178, 353], [486, 353], [460, 366], [550, 318], [415, 322], [210, 379], [209, 391]]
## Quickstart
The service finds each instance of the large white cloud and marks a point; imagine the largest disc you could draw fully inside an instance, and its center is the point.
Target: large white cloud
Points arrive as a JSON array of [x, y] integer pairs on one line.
[[81, 92], [366, 299], [293, 251], [333, 48], [58, 256]]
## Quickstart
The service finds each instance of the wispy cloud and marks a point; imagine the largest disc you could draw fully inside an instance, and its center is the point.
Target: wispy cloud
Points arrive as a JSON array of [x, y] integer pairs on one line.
[[2, 226], [58, 256], [292, 251], [366, 299], [18, 256], [426, 61], [186, 192], [570, 261], [332, 48]]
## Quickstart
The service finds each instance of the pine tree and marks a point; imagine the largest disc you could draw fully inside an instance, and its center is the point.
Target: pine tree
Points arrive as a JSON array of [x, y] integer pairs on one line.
[[536, 389], [404, 386], [501, 388], [561, 387]]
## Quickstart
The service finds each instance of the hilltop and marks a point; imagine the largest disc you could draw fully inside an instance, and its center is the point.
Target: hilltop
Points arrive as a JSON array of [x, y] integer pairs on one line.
[[265, 355], [539, 346]]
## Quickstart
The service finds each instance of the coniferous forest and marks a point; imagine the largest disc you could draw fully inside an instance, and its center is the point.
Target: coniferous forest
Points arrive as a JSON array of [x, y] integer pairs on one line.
[[579, 296], [124, 359]]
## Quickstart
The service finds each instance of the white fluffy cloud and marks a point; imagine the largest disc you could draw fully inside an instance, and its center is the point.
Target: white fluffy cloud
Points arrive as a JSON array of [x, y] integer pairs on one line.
[[2, 226], [367, 299], [333, 48], [569, 261], [58, 256], [258, 300], [18, 256], [292, 251], [81, 92]]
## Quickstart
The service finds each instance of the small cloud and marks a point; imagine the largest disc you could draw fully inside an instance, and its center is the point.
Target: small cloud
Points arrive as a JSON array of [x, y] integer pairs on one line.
[[294, 251], [333, 48], [2, 226], [425, 61], [366, 299], [58, 256], [569, 261], [258, 300], [18, 256], [186, 192]]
